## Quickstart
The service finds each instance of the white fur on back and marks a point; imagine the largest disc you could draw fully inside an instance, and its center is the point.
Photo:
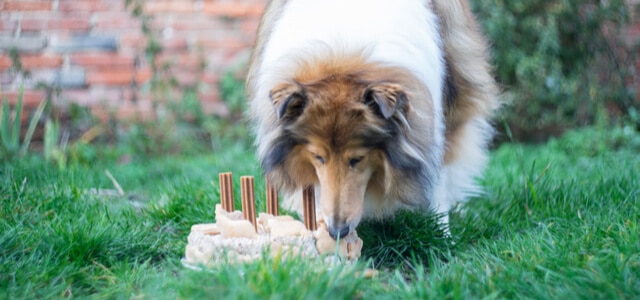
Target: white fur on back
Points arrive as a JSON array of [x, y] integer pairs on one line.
[[458, 180], [396, 32]]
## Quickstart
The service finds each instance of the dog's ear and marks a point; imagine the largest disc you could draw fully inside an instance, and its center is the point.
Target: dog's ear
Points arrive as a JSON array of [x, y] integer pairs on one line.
[[385, 98], [289, 99]]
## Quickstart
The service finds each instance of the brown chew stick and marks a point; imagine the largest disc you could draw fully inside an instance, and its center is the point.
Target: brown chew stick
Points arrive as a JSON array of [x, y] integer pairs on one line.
[[309, 208], [272, 199], [226, 191], [248, 200]]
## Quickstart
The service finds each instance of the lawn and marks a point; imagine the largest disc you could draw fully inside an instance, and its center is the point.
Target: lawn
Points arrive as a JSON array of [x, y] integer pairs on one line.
[[559, 220]]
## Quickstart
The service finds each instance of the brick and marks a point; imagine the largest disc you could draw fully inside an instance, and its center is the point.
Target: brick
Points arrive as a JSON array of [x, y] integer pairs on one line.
[[111, 95], [111, 77], [198, 23], [173, 44], [23, 44], [185, 78], [101, 59], [120, 20], [229, 42], [30, 98], [22, 5], [31, 25], [71, 78], [158, 24], [5, 62], [86, 43], [185, 61], [211, 78], [175, 6], [90, 5], [232, 10], [32, 61], [41, 61], [133, 39], [74, 24], [122, 77], [143, 75], [55, 23], [8, 25]]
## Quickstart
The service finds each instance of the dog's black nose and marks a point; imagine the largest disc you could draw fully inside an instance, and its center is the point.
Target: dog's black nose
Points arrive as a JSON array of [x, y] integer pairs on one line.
[[339, 232]]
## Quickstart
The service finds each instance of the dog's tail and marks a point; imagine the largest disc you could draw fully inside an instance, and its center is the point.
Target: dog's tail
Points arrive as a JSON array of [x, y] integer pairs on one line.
[[470, 86], [471, 97]]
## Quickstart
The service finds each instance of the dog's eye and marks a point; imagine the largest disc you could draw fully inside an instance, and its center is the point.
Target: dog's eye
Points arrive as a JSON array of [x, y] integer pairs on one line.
[[319, 158], [355, 161]]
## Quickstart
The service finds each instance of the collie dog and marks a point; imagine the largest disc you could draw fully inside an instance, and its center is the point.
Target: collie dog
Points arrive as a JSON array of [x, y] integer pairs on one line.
[[380, 104]]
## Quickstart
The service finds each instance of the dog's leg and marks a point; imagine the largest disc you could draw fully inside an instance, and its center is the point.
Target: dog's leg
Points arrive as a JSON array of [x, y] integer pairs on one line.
[[443, 201]]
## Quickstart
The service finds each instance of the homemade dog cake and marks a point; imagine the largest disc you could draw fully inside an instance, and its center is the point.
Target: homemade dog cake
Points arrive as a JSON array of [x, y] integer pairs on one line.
[[238, 236]]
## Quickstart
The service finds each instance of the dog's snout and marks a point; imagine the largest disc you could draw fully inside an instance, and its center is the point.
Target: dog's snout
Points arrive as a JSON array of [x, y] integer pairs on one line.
[[339, 232]]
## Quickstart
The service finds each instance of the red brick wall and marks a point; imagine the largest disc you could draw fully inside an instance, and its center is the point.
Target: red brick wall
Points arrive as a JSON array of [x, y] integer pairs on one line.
[[94, 50]]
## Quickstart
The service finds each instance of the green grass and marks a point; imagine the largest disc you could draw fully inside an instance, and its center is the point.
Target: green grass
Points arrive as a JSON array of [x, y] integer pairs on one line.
[[559, 220]]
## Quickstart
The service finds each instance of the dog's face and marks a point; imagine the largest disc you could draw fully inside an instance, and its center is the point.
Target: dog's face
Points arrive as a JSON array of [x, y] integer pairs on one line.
[[343, 176], [336, 133]]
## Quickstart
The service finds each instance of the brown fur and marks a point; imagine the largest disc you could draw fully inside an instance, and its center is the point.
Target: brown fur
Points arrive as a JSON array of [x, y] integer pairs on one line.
[[467, 56], [342, 115]]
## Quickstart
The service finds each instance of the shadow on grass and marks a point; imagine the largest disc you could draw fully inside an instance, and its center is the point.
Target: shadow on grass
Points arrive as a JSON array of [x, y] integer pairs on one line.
[[406, 239]]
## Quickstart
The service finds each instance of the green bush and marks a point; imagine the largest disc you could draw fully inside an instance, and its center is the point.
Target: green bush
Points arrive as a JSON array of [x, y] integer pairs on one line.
[[561, 62], [231, 129]]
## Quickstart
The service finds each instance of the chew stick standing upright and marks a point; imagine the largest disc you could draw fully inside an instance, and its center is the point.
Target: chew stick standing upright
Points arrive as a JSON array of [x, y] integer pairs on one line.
[[272, 199], [248, 200], [226, 191], [309, 208]]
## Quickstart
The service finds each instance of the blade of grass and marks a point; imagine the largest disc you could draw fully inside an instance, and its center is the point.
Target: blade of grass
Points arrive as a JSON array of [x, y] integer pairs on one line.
[[115, 183], [17, 121], [50, 139], [2, 113], [32, 126], [6, 124]]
